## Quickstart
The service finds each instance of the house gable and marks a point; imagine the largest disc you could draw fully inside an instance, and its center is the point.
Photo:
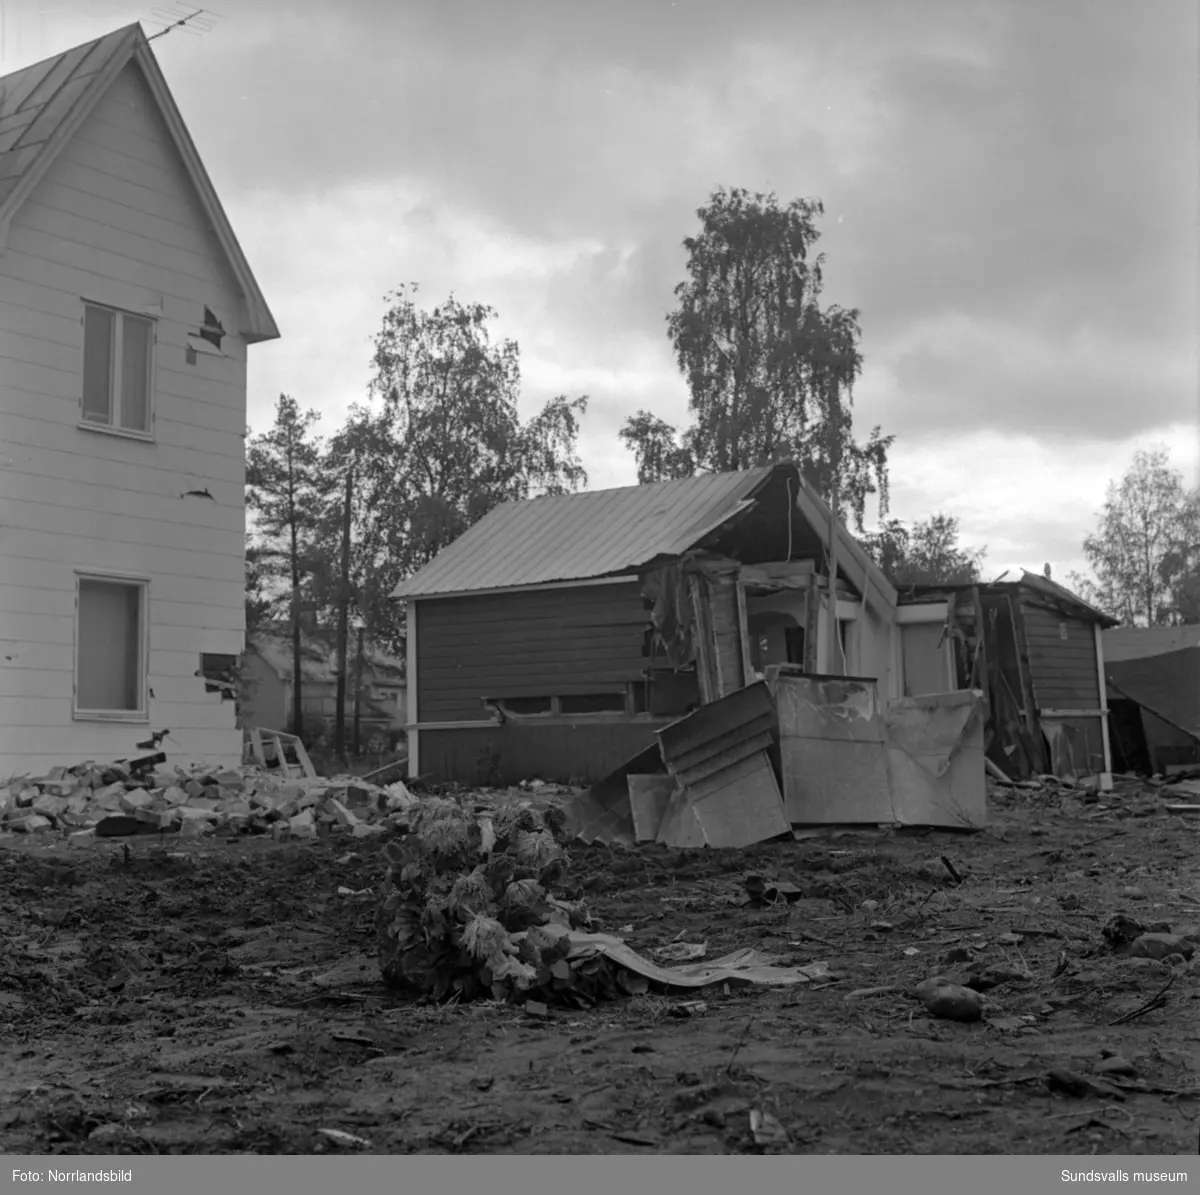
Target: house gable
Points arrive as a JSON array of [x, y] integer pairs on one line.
[[43, 107]]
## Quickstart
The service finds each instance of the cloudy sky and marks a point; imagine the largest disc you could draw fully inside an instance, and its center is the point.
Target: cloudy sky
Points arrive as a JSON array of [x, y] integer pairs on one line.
[[1010, 191]]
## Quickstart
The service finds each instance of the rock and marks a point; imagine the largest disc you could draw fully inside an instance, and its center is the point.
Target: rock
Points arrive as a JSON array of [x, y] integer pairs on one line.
[[135, 799], [109, 797], [196, 813], [1116, 1065], [365, 830], [50, 806], [342, 815], [303, 824], [1120, 930], [1161, 946], [1066, 1082], [29, 823], [950, 1001]]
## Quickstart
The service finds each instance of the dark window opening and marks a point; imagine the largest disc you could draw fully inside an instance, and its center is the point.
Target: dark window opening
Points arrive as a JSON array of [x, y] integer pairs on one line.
[[221, 674], [593, 703], [526, 705]]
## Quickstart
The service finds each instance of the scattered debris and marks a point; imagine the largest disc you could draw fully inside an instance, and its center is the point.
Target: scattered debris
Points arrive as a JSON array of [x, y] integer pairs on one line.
[[769, 892], [143, 797], [766, 1130], [346, 1140]]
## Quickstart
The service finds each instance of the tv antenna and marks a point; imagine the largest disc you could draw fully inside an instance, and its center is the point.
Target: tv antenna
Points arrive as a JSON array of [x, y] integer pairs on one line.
[[197, 23]]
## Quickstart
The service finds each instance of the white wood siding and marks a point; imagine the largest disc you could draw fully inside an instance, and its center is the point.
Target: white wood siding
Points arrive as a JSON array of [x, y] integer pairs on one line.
[[115, 222]]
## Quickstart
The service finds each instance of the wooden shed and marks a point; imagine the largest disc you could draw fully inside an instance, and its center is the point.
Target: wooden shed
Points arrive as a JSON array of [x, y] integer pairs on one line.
[[1036, 650], [559, 635]]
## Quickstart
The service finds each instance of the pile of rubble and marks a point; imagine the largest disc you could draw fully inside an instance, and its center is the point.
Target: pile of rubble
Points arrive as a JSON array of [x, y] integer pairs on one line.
[[122, 799]]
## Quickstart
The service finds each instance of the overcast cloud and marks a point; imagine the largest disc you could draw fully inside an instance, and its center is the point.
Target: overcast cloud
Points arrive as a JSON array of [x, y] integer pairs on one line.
[[1010, 193]]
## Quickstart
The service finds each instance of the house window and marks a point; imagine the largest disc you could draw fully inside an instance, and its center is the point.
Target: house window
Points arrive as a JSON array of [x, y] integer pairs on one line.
[[117, 351], [592, 703], [526, 705], [110, 649]]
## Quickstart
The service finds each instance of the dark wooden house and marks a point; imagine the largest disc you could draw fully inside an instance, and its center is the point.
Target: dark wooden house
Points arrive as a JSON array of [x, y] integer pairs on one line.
[[557, 635], [1035, 650]]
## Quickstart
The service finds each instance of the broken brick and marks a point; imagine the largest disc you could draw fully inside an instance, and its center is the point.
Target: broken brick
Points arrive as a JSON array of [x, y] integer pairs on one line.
[[303, 824], [136, 799], [50, 806], [28, 823]]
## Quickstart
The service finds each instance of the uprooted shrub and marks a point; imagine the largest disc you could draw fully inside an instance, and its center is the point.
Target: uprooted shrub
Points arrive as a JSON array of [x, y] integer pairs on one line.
[[465, 898]]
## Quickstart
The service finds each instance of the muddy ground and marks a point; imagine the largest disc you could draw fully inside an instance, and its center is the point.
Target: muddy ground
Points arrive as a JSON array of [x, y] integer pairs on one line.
[[213, 997]]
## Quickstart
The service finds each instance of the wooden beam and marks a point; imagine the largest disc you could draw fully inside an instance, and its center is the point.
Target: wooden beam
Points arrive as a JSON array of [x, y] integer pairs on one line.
[[1106, 775], [704, 644], [744, 634]]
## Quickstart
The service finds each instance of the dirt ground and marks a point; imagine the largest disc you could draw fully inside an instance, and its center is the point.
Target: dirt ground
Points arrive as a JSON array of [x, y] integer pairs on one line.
[[221, 997]]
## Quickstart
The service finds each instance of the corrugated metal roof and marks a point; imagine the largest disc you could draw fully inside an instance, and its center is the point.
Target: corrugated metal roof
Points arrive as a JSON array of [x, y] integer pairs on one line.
[[43, 105], [574, 537]]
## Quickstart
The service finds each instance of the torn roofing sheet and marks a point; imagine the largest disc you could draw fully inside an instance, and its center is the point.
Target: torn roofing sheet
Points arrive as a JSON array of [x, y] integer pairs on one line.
[[1166, 685]]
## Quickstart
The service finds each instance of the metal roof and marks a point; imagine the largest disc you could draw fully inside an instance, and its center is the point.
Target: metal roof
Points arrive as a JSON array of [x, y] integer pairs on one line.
[[575, 537], [44, 105]]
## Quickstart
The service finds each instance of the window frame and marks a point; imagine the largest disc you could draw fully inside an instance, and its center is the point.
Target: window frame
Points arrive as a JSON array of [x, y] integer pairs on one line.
[[142, 585], [114, 426]]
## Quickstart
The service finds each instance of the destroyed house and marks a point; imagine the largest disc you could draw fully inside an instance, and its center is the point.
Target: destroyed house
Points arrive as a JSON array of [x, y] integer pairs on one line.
[[126, 309], [557, 635], [1034, 650]]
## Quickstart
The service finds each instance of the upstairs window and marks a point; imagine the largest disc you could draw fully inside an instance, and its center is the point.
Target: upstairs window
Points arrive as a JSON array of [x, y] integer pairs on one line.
[[117, 351]]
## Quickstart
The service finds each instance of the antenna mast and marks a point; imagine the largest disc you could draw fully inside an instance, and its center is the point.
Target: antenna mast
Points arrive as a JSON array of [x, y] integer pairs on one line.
[[185, 22]]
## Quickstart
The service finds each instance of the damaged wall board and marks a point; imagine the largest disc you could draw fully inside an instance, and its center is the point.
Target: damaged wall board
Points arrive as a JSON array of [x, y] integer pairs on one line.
[[935, 759], [845, 759], [729, 794], [832, 750]]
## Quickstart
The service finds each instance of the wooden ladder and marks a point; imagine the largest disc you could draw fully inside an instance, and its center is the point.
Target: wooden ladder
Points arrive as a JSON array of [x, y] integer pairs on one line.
[[270, 751]]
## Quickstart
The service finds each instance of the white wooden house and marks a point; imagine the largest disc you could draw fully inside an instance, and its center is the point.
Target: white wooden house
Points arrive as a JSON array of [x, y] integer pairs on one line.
[[126, 308]]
